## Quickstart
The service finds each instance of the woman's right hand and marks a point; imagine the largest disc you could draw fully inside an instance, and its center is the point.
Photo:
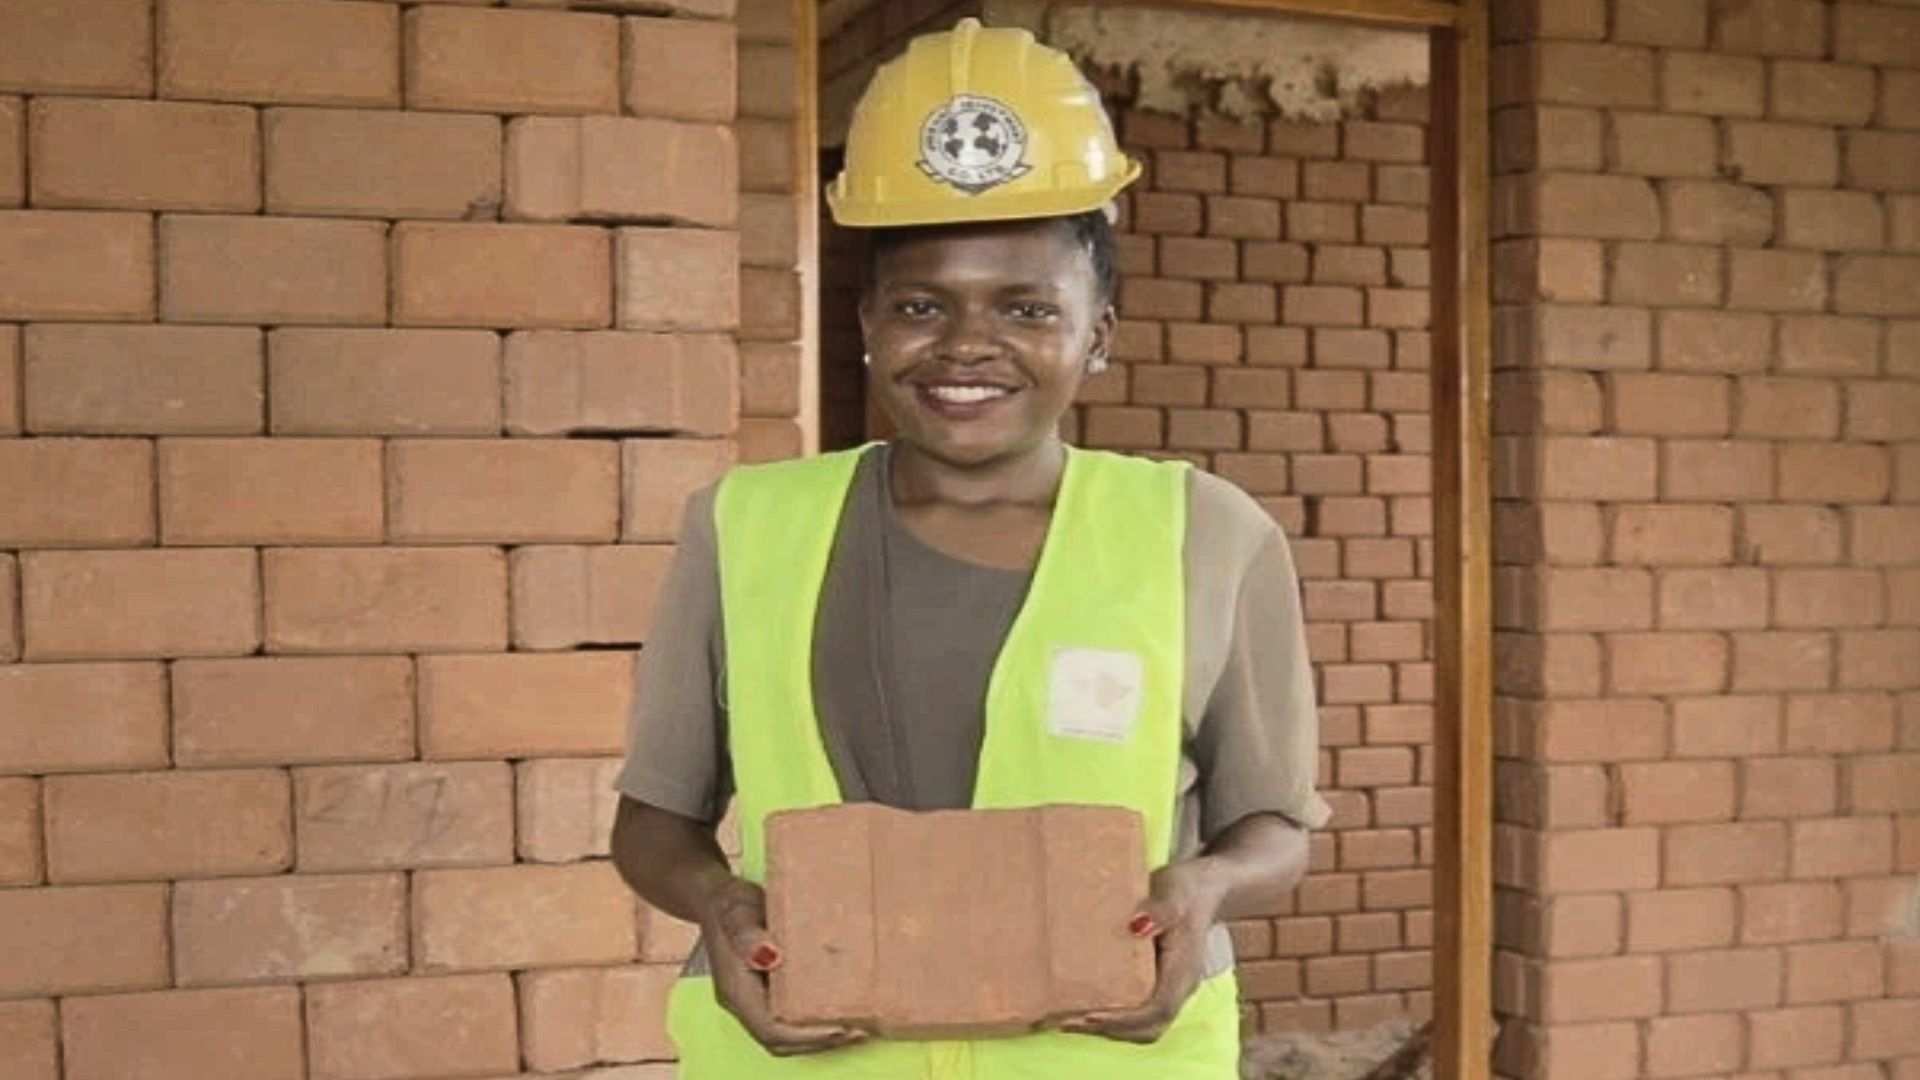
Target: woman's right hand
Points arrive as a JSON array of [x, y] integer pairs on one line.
[[733, 923]]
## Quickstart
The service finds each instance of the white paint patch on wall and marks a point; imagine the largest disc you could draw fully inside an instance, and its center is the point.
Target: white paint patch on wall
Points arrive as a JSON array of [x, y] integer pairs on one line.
[[1237, 64]]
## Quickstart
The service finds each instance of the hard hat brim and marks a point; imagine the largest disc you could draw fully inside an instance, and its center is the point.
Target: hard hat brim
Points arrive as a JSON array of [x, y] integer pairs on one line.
[[1002, 206]]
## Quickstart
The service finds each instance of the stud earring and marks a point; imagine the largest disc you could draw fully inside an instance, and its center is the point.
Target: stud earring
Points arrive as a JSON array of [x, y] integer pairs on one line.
[[1096, 365], [866, 359]]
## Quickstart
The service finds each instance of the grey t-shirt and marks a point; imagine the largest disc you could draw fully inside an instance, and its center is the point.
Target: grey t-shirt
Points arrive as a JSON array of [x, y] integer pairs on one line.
[[902, 712]]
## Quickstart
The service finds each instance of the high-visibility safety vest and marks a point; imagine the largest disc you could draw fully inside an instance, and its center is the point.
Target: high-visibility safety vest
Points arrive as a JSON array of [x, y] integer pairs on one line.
[[1109, 590]]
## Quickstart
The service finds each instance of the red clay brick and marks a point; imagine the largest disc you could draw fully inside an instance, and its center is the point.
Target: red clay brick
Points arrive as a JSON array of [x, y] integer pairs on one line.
[[468, 919], [1787, 788], [66, 264], [769, 232], [612, 169], [1694, 1045], [272, 270], [678, 279], [565, 808], [770, 304], [453, 275], [1724, 980], [1712, 83], [1777, 281], [1876, 284], [137, 380], [381, 163], [1839, 723], [1885, 1028], [524, 705], [347, 709], [558, 383], [302, 51], [568, 596], [384, 382], [1654, 144], [399, 1028], [1833, 472], [766, 148], [1832, 220], [270, 491], [678, 69], [173, 824], [22, 859], [1672, 920], [84, 940], [1842, 847], [574, 1018], [1547, 137], [143, 155], [1791, 535], [1835, 971], [394, 817], [887, 980], [503, 491], [385, 600], [81, 605], [85, 47], [512, 61], [11, 388], [82, 717], [1821, 93], [1725, 854], [1827, 345], [659, 475], [76, 493], [1791, 911], [29, 1040], [164, 1035]]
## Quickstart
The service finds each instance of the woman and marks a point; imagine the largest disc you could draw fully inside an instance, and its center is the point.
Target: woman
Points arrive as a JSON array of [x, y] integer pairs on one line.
[[915, 623]]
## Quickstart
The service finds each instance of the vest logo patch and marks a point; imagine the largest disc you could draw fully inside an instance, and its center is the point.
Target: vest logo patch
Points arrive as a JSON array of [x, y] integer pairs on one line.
[[1094, 694]]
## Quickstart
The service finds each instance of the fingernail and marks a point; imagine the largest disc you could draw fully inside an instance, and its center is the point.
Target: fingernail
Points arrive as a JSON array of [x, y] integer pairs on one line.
[[764, 957], [1142, 925]]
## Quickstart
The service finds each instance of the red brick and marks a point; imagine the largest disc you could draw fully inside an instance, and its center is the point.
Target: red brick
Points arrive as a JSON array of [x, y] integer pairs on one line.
[[1842, 847], [568, 596], [1883, 411], [1672, 920], [680, 69], [659, 475], [1394, 225], [1877, 34], [524, 705], [608, 168], [322, 709], [11, 388], [165, 1035], [381, 163], [75, 265], [1796, 911], [385, 600], [399, 1028], [142, 380], [1822, 93], [1672, 535], [1879, 659], [1694, 1045], [79, 605], [301, 51], [1564, 73], [1796, 1037], [1876, 284], [22, 860], [1772, 28], [1725, 854], [395, 817], [1201, 343], [1835, 971], [1579, 205], [769, 79], [1839, 723], [575, 1018], [512, 61], [174, 824], [270, 491], [78, 717], [1777, 281], [1717, 471], [1885, 1028], [76, 493], [86, 939], [560, 383], [566, 808], [1667, 792], [29, 1040], [504, 491], [766, 146], [272, 270], [1897, 99], [1833, 472], [1547, 137], [992, 982], [468, 919], [83, 47], [1787, 788], [1613, 988], [1788, 408], [1791, 535], [770, 379], [143, 155], [678, 279], [455, 275], [769, 233], [1826, 345], [384, 382], [1723, 980], [1832, 220], [1652, 144], [770, 304], [1712, 83], [1729, 599]]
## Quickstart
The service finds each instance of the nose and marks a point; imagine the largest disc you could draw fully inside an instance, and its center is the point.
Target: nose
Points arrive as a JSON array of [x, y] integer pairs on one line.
[[968, 339]]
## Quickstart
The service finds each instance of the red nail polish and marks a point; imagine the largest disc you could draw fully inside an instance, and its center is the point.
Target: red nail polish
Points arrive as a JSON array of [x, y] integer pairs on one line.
[[1141, 926], [764, 957]]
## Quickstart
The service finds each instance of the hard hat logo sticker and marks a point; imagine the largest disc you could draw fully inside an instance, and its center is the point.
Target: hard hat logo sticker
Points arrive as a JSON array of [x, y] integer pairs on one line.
[[974, 143]]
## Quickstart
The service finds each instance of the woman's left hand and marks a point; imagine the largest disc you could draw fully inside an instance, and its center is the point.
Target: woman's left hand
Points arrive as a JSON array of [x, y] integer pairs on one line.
[[1178, 915]]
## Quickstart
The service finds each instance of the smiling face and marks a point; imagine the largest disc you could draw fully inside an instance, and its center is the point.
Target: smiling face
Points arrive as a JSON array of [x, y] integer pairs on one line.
[[980, 335]]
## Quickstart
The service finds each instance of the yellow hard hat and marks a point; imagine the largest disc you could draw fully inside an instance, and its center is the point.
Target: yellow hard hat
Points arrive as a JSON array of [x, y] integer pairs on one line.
[[977, 124]]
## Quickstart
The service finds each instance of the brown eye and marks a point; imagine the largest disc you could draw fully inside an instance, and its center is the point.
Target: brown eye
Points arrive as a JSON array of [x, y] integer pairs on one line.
[[1032, 311], [917, 309]]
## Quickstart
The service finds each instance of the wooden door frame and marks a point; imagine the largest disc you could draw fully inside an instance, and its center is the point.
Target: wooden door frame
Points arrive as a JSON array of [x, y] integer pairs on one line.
[[1461, 375]]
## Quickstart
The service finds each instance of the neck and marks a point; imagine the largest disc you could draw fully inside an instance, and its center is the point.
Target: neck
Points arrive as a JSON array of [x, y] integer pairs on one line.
[[1030, 477]]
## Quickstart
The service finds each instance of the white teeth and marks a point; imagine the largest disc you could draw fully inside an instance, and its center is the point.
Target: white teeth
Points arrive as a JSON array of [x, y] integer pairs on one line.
[[965, 395]]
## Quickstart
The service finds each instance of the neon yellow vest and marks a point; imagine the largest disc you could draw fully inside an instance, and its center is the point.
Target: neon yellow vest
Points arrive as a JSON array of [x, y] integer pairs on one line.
[[1110, 578]]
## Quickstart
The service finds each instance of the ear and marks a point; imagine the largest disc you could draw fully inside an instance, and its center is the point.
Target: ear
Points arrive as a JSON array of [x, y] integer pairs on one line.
[[1100, 345]]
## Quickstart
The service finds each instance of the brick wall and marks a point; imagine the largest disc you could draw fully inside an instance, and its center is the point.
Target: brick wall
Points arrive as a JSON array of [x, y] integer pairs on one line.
[[1708, 466], [355, 359], [1274, 313]]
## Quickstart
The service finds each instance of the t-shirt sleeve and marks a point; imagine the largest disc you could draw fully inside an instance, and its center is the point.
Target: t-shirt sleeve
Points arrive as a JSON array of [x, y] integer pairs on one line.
[[676, 740], [1258, 743]]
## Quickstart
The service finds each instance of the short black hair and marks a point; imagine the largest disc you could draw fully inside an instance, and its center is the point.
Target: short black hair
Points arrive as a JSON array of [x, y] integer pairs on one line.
[[1090, 230]]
